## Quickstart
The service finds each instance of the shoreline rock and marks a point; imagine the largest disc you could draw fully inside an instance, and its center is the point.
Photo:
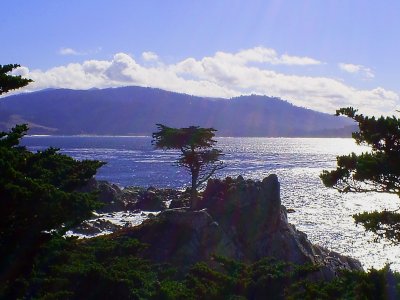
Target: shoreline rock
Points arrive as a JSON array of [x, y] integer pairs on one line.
[[239, 219], [133, 198]]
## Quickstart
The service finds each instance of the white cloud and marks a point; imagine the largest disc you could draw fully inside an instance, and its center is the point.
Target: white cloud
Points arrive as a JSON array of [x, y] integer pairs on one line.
[[265, 55], [296, 60], [69, 51], [20, 71], [357, 69], [222, 75], [149, 56], [350, 68]]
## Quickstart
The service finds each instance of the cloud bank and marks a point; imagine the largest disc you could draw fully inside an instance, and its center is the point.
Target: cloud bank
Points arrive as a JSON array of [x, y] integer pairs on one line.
[[357, 69], [222, 75]]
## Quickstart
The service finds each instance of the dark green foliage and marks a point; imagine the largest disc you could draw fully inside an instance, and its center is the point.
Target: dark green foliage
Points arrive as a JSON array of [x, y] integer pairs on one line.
[[271, 278], [374, 171], [37, 189], [197, 153], [374, 284], [37, 196], [186, 138], [100, 268], [385, 224], [37, 200], [174, 290], [9, 82], [111, 267], [265, 279]]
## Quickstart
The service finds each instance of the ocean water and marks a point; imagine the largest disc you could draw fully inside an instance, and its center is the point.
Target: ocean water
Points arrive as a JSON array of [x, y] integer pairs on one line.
[[322, 213]]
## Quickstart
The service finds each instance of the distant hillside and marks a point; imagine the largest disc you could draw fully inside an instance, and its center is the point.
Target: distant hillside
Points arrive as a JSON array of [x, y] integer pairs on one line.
[[136, 110]]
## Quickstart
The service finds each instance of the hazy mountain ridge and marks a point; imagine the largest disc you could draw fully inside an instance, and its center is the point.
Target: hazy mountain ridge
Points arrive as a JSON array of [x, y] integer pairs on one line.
[[136, 110]]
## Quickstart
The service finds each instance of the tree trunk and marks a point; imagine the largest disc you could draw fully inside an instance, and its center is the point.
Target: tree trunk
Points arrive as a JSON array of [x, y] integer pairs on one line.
[[193, 191]]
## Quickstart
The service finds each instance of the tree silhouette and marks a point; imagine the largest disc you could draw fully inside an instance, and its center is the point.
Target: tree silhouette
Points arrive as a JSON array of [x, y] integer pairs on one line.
[[10, 82], [197, 153], [374, 171], [38, 198]]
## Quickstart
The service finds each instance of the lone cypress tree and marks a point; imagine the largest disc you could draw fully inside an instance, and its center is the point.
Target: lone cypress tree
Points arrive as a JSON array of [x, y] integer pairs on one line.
[[374, 171], [197, 153]]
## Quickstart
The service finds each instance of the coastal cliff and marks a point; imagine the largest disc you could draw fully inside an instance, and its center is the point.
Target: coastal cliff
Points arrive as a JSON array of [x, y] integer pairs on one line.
[[238, 219]]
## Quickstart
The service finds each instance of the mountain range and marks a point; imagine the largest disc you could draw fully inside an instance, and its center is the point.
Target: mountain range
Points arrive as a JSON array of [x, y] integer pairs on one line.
[[136, 110]]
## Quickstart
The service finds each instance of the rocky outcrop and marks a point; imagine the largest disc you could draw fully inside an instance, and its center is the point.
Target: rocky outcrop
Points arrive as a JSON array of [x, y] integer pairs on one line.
[[239, 219], [182, 237], [142, 199], [181, 200], [95, 227], [151, 199], [113, 198], [246, 209], [108, 194]]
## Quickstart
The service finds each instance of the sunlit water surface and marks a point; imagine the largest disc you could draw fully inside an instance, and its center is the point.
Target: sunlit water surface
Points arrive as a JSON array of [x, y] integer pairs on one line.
[[322, 213]]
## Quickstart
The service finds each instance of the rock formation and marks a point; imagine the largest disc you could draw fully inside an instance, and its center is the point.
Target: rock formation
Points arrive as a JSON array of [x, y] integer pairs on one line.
[[239, 219], [94, 227], [109, 195], [115, 199]]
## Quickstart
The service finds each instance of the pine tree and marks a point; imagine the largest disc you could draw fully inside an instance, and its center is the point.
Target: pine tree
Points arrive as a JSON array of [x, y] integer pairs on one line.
[[374, 171], [9, 82]]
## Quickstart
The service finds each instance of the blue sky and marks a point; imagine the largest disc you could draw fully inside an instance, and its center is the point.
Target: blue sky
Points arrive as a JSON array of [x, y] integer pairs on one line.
[[317, 54]]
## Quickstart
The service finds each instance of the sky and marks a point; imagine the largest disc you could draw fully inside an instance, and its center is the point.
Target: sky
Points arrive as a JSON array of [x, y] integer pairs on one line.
[[317, 54]]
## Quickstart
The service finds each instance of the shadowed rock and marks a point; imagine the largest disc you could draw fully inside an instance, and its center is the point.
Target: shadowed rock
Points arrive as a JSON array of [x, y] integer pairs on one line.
[[150, 201], [182, 237], [110, 195], [115, 199], [239, 219], [94, 227]]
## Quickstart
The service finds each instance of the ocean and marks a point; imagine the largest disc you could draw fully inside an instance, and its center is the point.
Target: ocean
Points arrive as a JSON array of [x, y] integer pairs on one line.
[[322, 213]]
